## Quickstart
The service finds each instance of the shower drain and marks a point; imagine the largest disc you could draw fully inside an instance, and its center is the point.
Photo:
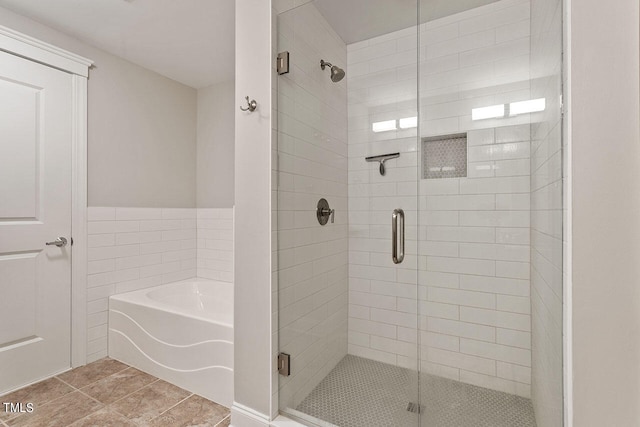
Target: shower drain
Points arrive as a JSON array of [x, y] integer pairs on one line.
[[413, 407]]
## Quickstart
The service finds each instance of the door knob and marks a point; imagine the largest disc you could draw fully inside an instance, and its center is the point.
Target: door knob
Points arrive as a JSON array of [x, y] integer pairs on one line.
[[59, 242]]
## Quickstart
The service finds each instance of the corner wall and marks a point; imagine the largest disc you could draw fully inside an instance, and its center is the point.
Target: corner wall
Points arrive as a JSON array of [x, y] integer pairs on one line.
[[216, 146], [141, 128], [604, 95], [254, 343]]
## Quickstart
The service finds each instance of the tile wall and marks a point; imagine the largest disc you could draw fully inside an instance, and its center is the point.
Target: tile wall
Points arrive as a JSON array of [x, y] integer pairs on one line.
[[311, 155], [546, 214], [215, 244], [472, 253], [137, 248]]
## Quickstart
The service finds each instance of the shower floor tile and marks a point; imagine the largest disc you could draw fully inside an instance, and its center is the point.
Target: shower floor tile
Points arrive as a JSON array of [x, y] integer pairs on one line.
[[109, 393], [364, 393]]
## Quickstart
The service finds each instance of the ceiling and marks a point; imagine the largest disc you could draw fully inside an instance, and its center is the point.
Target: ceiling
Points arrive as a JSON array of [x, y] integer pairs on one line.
[[191, 41], [357, 20]]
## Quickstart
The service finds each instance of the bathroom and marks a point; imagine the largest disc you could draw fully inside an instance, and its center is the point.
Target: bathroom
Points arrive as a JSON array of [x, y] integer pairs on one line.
[[319, 213]]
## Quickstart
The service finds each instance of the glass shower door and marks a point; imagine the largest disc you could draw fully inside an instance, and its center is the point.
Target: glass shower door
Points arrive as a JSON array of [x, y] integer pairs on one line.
[[347, 165], [490, 191]]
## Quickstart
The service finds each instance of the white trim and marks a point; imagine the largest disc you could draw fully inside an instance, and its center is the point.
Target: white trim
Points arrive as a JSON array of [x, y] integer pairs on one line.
[[568, 222], [32, 49], [35, 50], [79, 224], [243, 416], [284, 421]]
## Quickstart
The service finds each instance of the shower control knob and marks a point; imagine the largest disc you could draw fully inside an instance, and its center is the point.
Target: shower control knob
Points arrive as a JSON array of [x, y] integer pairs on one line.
[[323, 212]]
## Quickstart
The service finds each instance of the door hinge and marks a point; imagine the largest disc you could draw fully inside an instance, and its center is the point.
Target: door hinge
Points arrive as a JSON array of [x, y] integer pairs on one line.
[[283, 63], [284, 364]]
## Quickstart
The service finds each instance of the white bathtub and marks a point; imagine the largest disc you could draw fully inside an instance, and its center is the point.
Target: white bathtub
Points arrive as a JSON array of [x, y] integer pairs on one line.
[[181, 332]]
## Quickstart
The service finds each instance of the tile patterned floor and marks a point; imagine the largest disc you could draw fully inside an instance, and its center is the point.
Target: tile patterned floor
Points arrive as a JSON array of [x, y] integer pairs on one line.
[[364, 393], [107, 393]]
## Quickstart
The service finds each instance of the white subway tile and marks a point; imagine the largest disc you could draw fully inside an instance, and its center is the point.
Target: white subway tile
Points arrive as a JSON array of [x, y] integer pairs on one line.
[[100, 240], [129, 214], [496, 351], [101, 227], [127, 226], [438, 310], [394, 318], [516, 270], [510, 134], [495, 383], [514, 304], [459, 265], [460, 297], [518, 167], [497, 285], [501, 319], [513, 372], [495, 19], [100, 266], [461, 329], [480, 137], [101, 214], [513, 338], [441, 341], [460, 360]]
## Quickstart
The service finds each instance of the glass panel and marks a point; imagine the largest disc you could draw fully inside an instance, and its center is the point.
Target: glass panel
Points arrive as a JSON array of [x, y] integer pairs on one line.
[[347, 313], [476, 167], [490, 283]]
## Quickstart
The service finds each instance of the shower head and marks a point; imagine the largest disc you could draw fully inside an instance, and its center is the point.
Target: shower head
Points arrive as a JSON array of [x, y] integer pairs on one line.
[[337, 73]]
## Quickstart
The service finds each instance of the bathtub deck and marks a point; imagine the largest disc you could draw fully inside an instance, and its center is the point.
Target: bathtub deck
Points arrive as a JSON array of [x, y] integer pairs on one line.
[[108, 392]]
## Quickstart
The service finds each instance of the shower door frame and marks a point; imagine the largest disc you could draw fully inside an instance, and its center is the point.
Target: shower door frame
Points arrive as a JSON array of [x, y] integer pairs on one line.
[[415, 358]]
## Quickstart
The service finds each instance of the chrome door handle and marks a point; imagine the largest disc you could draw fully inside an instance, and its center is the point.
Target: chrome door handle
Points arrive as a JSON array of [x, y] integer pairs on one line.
[[59, 242], [397, 258]]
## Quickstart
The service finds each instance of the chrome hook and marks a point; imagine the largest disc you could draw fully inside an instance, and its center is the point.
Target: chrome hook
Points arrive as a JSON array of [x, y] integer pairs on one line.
[[252, 105]]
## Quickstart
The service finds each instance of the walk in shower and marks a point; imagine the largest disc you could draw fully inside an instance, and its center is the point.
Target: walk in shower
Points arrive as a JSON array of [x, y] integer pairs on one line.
[[418, 212]]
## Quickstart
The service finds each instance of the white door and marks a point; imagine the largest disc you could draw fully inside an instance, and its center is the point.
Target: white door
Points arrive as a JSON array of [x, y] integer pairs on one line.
[[35, 208]]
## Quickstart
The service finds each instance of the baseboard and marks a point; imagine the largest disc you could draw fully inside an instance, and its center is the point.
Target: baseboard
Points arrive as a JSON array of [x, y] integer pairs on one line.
[[243, 416]]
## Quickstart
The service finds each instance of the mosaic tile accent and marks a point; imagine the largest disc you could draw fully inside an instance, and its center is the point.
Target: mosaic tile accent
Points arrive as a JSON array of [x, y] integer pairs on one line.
[[364, 393], [444, 156]]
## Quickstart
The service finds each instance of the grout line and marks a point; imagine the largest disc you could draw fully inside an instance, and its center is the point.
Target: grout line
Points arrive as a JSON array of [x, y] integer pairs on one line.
[[222, 420], [89, 414], [124, 397], [64, 382], [171, 407], [92, 398]]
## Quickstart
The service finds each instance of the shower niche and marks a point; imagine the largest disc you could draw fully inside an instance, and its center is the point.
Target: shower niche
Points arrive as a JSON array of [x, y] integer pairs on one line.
[[444, 156]]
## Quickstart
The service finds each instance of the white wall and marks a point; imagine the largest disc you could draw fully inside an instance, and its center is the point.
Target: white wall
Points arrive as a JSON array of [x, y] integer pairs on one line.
[[141, 128], [546, 215], [142, 137], [472, 251], [312, 160], [216, 145], [603, 123], [255, 346]]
